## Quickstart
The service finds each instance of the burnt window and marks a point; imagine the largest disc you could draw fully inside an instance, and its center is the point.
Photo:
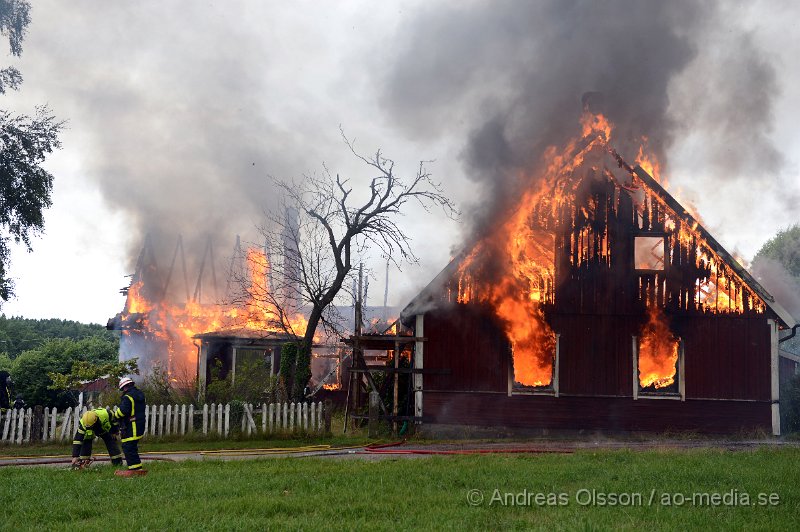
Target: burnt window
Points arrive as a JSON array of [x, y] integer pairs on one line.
[[649, 252], [657, 360], [535, 371]]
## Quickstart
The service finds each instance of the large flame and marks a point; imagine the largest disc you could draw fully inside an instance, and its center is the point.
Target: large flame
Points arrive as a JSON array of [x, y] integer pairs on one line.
[[175, 325], [524, 260], [513, 270], [658, 351]]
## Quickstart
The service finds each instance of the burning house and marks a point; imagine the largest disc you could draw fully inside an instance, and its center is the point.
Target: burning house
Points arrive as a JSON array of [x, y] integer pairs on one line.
[[597, 303], [186, 336]]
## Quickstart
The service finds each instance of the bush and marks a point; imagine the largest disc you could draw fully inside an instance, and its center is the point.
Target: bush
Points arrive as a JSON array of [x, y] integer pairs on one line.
[[790, 405]]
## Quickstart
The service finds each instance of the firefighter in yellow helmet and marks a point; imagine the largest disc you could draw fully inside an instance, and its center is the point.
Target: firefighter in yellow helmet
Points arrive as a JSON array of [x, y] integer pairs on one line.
[[99, 422], [132, 424]]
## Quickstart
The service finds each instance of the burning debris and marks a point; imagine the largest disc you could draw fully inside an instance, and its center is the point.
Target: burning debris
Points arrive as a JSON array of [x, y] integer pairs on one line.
[[163, 332]]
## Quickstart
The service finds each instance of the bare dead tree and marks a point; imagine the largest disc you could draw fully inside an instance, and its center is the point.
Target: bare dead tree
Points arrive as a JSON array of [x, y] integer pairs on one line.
[[315, 241]]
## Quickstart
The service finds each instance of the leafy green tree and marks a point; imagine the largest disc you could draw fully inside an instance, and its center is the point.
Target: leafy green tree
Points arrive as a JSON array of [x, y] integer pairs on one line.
[[21, 334], [25, 141], [31, 370], [785, 249]]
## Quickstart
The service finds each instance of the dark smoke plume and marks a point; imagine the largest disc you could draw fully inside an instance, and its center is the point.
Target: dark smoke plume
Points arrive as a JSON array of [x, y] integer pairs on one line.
[[515, 72]]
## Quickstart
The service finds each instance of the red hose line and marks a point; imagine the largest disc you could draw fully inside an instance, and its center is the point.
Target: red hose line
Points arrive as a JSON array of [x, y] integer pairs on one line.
[[368, 450]]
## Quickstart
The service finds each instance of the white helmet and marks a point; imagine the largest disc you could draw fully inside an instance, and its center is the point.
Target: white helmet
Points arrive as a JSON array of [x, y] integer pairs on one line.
[[124, 381]]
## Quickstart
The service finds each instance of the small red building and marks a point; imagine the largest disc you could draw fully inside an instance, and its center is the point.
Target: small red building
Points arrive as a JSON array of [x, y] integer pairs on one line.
[[599, 304]]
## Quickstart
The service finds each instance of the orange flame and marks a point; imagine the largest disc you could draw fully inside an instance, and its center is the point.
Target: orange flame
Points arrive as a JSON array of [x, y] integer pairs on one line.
[[177, 324], [658, 351]]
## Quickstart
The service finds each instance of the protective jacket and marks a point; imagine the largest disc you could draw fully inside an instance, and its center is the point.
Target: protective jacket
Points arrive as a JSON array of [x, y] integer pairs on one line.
[[104, 426], [131, 415]]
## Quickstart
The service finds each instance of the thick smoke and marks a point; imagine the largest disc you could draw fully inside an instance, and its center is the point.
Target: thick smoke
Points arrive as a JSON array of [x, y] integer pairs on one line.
[[514, 73], [782, 285]]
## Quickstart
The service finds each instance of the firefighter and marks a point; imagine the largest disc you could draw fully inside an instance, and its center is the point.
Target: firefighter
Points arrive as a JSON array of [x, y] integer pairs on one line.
[[5, 391], [131, 419], [99, 422]]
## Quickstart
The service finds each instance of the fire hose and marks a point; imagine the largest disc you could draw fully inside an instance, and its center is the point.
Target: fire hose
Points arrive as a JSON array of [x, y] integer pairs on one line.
[[386, 448]]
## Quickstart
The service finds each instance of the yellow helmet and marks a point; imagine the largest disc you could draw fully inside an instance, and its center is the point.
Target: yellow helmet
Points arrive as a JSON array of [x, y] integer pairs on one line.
[[89, 418]]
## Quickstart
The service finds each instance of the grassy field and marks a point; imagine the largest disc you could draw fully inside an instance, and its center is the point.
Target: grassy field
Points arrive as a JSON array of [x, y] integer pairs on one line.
[[427, 492]]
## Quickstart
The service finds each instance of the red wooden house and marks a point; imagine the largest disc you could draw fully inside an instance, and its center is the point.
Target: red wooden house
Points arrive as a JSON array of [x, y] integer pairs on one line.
[[599, 304]]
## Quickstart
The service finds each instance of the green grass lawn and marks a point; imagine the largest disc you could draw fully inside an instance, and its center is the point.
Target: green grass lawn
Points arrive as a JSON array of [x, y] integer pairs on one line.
[[428, 493]]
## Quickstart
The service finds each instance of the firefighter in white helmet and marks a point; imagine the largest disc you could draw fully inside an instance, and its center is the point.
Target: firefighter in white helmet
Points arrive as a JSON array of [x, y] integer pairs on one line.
[[132, 424]]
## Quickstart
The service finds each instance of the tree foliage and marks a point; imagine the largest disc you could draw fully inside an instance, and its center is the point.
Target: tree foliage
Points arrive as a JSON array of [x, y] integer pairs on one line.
[[25, 141], [31, 370], [784, 248], [84, 371], [21, 334]]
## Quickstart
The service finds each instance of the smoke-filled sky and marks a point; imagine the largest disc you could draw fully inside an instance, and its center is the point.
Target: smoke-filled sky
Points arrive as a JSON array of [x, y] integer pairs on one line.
[[179, 111]]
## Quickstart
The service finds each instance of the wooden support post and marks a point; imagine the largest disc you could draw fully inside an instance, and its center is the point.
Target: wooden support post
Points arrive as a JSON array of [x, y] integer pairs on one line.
[[160, 420], [175, 419], [395, 390], [190, 421], [227, 419], [205, 419], [263, 418], [419, 332], [183, 420], [291, 417], [374, 400], [285, 423], [202, 369], [774, 377]]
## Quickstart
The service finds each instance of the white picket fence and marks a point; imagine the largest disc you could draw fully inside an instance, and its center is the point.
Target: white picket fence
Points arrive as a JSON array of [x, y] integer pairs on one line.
[[167, 420]]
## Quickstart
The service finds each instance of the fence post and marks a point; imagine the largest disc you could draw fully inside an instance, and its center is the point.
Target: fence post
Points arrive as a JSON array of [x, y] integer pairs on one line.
[[205, 418], [183, 420], [227, 419], [76, 418], [244, 415], [20, 425], [53, 419], [4, 434], [191, 418], [313, 417], [168, 422], [160, 420], [65, 423], [175, 419], [220, 426], [285, 424], [28, 424], [263, 418], [326, 413], [271, 416]]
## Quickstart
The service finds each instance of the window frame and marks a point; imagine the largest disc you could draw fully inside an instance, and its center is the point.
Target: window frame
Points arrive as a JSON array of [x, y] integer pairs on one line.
[[650, 234], [552, 389], [680, 375]]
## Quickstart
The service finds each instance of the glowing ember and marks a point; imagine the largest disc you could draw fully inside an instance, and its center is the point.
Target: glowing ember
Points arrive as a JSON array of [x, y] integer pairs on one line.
[[658, 351]]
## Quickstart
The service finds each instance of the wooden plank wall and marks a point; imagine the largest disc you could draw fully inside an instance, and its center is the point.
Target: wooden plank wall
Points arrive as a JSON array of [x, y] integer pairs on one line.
[[596, 413]]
